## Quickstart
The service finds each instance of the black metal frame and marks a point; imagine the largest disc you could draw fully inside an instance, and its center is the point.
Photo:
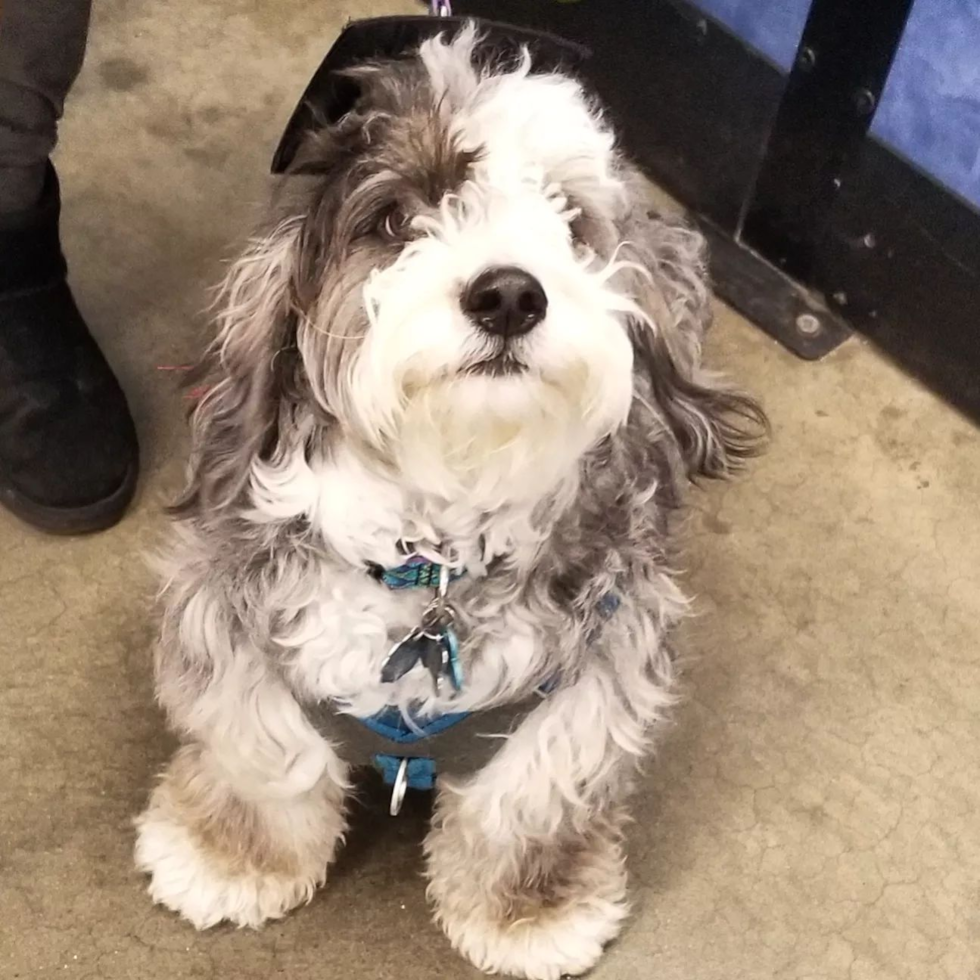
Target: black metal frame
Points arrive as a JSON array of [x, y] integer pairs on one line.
[[826, 108], [816, 227]]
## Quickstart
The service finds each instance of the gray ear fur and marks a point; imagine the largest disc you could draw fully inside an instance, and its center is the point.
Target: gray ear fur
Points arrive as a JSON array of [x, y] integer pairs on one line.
[[715, 426], [244, 373]]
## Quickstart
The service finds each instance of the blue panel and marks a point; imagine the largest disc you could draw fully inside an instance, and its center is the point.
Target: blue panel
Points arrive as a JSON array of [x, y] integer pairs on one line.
[[772, 27], [930, 109]]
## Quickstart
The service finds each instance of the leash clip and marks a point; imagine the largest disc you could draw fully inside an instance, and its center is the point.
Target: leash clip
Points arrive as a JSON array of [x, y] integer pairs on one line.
[[440, 8]]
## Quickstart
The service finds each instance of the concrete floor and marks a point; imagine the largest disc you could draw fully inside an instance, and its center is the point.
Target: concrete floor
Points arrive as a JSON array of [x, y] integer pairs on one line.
[[814, 812]]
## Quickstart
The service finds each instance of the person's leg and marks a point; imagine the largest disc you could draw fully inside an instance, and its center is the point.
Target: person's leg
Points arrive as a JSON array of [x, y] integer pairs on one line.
[[68, 454], [42, 44]]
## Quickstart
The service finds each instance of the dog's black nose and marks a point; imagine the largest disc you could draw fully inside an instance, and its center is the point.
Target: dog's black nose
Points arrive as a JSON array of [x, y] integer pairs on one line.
[[505, 301]]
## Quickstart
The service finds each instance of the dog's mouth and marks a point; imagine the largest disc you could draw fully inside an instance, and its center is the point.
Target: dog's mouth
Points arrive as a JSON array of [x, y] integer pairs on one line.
[[501, 365]]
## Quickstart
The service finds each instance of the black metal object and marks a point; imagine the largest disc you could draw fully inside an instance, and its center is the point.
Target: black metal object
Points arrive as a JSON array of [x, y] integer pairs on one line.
[[826, 109], [798, 317], [901, 260], [891, 253]]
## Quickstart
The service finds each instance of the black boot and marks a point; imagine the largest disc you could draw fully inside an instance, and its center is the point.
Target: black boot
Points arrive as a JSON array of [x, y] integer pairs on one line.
[[68, 452]]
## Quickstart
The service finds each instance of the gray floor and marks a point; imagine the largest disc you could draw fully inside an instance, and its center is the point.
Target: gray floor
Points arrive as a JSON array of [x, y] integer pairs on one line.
[[812, 815]]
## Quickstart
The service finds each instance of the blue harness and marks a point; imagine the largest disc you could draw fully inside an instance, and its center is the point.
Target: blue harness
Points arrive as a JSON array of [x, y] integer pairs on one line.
[[389, 740], [417, 572], [392, 725]]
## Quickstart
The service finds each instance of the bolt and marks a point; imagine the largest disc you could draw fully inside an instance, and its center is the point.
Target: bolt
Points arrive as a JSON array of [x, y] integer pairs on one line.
[[808, 325], [806, 59], [863, 102]]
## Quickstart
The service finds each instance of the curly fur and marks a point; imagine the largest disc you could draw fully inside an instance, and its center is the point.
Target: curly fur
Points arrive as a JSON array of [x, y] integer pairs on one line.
[[343, 416]]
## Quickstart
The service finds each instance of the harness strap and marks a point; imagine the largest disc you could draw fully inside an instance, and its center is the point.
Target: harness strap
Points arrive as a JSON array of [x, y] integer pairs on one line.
[[417, 773], [391, 742], [458, 743]]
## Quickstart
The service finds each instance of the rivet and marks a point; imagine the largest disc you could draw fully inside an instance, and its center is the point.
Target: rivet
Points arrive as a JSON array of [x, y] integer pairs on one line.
[[808, 324], [863, 102]]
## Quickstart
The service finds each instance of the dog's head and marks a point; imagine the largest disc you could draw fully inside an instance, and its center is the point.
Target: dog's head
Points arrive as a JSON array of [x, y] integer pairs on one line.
[[464, 282]]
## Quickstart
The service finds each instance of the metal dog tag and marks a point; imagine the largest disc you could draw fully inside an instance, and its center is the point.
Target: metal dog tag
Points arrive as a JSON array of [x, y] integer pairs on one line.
[[405, 654], [432, 643]]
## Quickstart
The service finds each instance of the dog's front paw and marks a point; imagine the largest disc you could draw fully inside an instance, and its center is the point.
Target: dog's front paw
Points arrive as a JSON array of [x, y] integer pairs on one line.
[[207, 886], [215, 856], [532, 908], [548, 944]]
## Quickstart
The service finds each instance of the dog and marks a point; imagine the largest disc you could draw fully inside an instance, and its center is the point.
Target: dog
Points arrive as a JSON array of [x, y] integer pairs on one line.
[[464, 343]]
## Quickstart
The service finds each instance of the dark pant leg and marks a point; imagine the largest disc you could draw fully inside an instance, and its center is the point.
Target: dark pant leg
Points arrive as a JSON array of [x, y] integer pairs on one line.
[[42, 44]]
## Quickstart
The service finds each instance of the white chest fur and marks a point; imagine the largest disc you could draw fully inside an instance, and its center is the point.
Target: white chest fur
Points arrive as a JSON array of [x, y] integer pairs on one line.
[[343, 623], [336, 647]]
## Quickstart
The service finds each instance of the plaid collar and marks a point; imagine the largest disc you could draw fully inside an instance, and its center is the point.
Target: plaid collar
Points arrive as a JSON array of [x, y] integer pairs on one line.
[[417, 572]]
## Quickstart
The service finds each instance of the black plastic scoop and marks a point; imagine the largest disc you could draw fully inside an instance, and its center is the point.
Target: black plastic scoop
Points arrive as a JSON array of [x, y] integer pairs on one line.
[[330, 96]]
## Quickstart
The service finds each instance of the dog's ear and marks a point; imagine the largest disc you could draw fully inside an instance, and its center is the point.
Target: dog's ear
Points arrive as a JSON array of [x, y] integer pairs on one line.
[[242, 381], [715, 426]]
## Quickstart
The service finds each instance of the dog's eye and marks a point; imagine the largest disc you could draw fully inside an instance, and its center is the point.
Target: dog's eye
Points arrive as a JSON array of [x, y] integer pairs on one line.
[[394, 225], [578, 225]]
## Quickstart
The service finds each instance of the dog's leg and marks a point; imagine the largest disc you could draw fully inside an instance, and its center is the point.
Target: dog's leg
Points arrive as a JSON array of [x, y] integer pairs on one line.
[[525, 860], [246, 818], [526, 907]]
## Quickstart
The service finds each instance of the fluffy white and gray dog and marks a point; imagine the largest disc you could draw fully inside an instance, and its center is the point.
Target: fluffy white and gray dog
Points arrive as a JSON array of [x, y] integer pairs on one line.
[[465, 335]]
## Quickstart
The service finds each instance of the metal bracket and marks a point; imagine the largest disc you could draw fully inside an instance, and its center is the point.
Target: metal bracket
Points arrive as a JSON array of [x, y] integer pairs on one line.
[[789, 312]]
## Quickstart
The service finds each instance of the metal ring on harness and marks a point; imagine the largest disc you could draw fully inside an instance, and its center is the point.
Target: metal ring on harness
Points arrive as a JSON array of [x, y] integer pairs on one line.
[[398, 789]]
